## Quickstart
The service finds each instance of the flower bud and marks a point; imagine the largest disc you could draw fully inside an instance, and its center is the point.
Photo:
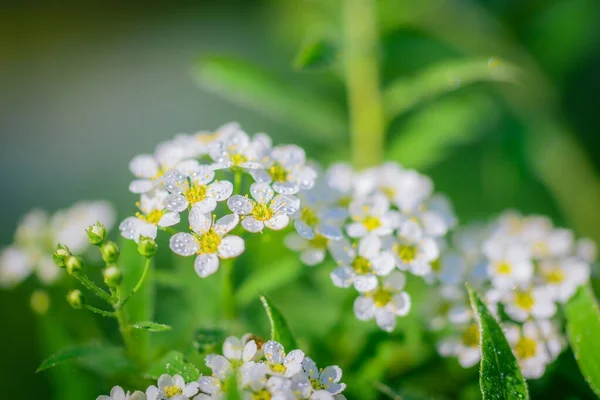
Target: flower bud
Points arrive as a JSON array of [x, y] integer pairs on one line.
[[96, 234], [40, 301], [112, 276], [74, 265], [147, 247], [76, 299], [110, 252], [60, 255]]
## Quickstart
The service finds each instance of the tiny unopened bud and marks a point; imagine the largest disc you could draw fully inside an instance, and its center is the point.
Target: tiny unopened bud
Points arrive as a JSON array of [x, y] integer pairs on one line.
[[60, 255], [40, 301], [147, 247], [74, 265], [112, 276], [76, 299], [110, 252], [96, 234]]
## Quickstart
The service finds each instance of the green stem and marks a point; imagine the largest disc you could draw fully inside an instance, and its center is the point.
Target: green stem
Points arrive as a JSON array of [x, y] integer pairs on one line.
[[101, 312], [125, 329], [137, 286], [365, 103], [85, 281], [237, 182], [228, 290]]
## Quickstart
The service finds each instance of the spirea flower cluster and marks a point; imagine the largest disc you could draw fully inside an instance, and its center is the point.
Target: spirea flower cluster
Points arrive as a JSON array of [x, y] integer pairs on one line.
[[377, 225], [36, 237], [220, 180], [527, 269], [260, 370]]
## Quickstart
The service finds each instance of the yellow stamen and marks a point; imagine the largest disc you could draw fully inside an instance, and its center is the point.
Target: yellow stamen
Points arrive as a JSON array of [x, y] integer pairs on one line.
[[319, 242], [407, 253], [381, 297], [195, 193], [172, 391], [554, 276], [361, 265], [526, 348], [309, 216], [389, 192], [262, 395], [153, 217], [470, 336], [278, 173], [209, 242], [238, 159], [371, 223], [262, 212], [278, 368], [503, 268], [524, 300]]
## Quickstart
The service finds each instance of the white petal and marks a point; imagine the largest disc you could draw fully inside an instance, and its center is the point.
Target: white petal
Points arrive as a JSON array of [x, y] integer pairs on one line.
[[260, 175], [231, 246], [252, 225], [342, 276], [286, 187], [303, 229], [342, 251], [199, 222], [330, 231], [141, 186], [175, 181], [176, 202], [226, 223], [221, 190], [312, 257], [143, 166], [295, 242], [386, 319], [240, 204], [278, 222], [191, 389], [383, 263], [232, 348], [169, 219], [261, 192], [203, 174], [206, 206], [274, 352], [219, 365], [401, 304], [364, 308], [249, 350], [206, 264], [209, 384], [395, 281], [183, 244], [285, 204], [365, 283], [356, 229], [369, 246], [331, 374]]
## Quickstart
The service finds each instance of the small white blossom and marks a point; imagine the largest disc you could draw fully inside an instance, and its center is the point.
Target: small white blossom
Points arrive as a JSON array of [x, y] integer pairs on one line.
[[371, 215], [534, 303], [152, 214], [312, 252], [464, 346], [285, 167], [509, 263], [117, 393], [323, 383], [529, 348], [235, 149], [412, 250], [172, 388], [562, 277], [280, 363]]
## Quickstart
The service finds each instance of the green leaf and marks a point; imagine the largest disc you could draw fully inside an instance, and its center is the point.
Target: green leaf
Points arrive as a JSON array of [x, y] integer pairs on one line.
[[406, 93], [151, 326], [583, 330], [316, 54], [280, 331], [500, 376], [174, 363], [271, 276], [209, 340], [250, 86], [75, 353]]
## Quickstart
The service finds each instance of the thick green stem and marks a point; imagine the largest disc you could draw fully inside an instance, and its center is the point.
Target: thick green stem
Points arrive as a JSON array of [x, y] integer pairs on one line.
[[228, 290], [365, 104], [125, 329]]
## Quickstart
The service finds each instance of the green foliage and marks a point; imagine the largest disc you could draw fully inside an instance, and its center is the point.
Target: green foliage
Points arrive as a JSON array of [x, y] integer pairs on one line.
[[280, 330], [232, 391], [583, 329], [174, 363], [316, 54], [209, 340], [76, 353], [151, 326], [500, 375]]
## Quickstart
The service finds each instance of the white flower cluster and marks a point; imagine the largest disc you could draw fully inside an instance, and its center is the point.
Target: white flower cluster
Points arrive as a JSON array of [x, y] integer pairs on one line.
[[36, 237], [263, 371], [203, 174], [376, 224], [525, 267]]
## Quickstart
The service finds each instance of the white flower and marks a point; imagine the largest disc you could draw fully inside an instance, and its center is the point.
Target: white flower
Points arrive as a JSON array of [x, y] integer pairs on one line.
[[267, 210], [509, 264], [318, 214], [360, 268], [209, 240], [449, 268], [312, 252], [412, 250], [534, 303], [172, 387], [117, 393], [280, 363], [529, 348], [449, 308], [153, 214], [412, 189], [236, 149], [15, 267], [586, 250], [149, 169], [285, 167], [384, 303], [384, 179], [371, 215], [195, 187], [563, 277], [340, 179], [464, 346], [322, 382]]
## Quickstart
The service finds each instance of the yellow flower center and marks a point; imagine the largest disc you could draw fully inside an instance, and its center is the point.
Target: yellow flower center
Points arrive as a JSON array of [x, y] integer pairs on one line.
[[503, 268], [153, 217], [371, 223], [309, 216], [238, 159], [209, 242], [361, 265], [554, 276], [161, 172], [262, 395], [317, 384], [524, 300], [470, 336], [195, 193], [389, 192], [526, 348], [319, 242], [381, 297], [278, 173], [278, 368], [541, 248], [262, 212], [172, 391], [407, 253], [344, 201]]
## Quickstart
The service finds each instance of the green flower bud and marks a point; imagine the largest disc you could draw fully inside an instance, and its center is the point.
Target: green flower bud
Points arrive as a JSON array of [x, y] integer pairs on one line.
[[40, 301], [110, 252], [96, 234], [74, 265], [60, 255], [76, 299], [112, 276], [147, 247]]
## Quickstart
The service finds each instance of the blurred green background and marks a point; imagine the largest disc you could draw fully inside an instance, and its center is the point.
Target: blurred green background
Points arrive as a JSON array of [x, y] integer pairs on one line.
[[86, 87]]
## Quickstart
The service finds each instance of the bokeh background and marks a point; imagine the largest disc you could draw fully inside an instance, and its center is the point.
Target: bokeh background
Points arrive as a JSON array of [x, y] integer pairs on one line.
[[86, 87]]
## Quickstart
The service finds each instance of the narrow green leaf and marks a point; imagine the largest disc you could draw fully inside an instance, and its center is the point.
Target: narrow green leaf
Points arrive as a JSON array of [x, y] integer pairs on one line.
[[74, 353], [316, 54], [250, 86], [174, 363], [280, 330], [583, 330], [406, 93], [500, 376], [272, 276], [151, 326], [209, 340]]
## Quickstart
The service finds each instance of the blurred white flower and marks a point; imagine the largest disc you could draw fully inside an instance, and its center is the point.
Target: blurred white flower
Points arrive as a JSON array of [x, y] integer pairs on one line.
[[153, 214], [285, 167], [173, 388], [117, 393], [464, 346], [529, 348], [371, 215]]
